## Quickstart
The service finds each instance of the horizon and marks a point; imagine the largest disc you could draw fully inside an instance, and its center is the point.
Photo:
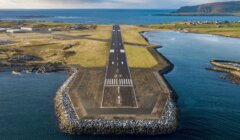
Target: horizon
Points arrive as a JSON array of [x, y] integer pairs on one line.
[[100, 4], [91, 9]]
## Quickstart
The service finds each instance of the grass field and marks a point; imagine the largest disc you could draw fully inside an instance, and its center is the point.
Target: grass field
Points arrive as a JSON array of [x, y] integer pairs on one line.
[[131, 34], [139, 57], [224, 29], [89, 47], [137, 53], [86, 47]]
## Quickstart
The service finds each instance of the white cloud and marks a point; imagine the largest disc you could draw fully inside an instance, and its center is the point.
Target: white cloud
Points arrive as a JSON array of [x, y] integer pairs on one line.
[[58, 4]]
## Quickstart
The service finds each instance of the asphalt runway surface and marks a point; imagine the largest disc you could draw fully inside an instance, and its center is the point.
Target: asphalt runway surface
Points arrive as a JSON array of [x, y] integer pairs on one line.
[[118, 85]]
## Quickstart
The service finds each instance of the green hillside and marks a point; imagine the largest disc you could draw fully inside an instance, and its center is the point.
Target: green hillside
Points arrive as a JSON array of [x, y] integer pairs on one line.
[[218, 8]]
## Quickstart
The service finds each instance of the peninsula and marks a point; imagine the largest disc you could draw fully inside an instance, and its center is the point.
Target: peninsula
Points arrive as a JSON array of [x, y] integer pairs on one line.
[[116, 83], [231, 8], [232, 68], [222, 28]]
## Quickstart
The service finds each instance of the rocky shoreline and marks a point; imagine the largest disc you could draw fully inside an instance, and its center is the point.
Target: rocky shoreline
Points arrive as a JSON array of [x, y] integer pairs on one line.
[[71, 124], [26, 62], [231, 68], [34, 67]]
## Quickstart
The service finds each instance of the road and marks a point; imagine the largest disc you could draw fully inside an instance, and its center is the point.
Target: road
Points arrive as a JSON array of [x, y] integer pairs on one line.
[[118, 85]]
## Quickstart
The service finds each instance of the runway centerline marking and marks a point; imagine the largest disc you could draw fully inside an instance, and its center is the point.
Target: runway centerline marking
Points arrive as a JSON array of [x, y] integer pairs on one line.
[[118, 76]]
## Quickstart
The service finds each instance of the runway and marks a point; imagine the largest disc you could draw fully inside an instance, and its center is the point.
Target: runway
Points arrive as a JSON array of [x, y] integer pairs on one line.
[[118, 90]]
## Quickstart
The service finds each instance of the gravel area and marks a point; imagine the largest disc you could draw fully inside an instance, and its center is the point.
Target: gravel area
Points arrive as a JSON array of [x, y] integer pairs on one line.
[[70, 123]]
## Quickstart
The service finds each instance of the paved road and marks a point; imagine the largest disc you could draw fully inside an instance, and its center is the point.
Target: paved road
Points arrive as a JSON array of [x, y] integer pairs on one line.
[[118, 85]]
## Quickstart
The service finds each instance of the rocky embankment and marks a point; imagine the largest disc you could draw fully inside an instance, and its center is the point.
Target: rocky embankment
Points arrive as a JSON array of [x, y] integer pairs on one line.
[[232, 69], [74, 124], [30, 63], [70, 123]]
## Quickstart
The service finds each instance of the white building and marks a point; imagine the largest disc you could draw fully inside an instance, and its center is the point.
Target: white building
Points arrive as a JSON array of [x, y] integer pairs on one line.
[[53, 29], [2, 29], [28, 29], [15, 31]]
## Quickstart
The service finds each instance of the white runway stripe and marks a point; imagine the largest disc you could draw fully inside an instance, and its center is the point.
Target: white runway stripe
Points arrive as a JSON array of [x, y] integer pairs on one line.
[[120, 82]]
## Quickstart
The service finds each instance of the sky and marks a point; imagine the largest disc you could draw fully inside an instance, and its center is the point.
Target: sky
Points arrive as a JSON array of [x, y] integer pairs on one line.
[[100, 4]]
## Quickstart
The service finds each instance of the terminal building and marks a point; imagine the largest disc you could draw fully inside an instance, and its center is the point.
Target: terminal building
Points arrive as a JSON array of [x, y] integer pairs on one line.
[[21, 30], [15, 31], [30, 29]]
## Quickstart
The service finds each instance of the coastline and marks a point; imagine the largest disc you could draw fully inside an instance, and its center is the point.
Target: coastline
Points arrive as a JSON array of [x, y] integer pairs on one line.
[[70, 123], [154, 51], [34, 67], [163, 119], [189, 32], [196, 14], [233, 72]]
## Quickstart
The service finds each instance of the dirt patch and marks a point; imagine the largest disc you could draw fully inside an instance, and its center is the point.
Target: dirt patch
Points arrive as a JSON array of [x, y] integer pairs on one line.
[[87, 90]]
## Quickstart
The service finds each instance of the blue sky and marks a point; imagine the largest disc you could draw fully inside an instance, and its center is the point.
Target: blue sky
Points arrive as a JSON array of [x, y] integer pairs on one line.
[[100, 4]]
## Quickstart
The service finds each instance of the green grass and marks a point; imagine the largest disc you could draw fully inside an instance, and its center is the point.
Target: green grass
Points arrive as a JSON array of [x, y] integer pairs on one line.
[[92, 50], [224, 29], [139, 57]]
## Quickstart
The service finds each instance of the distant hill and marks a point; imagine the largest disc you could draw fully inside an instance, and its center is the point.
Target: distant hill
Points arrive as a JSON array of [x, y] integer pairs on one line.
[[218, 8]]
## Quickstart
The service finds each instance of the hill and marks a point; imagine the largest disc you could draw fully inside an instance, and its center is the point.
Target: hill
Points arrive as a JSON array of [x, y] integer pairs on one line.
[[218, 8]]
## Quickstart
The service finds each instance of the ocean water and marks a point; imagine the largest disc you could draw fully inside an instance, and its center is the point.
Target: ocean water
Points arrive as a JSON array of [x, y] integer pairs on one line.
[[27, 107], [98, 16], [210, 107]]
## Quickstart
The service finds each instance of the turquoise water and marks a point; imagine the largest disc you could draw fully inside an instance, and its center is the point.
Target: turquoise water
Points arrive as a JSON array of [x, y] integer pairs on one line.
[[210, 107], [98, 16]]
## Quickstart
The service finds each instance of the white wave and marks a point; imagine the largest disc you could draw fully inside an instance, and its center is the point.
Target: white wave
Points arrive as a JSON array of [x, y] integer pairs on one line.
[[68, 17], [16, 73], [208, 38]]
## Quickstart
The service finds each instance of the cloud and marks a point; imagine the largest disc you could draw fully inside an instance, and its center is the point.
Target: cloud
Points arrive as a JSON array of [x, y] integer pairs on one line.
[[125, 4]]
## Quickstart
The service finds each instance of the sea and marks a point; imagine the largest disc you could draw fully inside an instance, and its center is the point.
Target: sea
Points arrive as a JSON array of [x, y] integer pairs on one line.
[[101, 16], [209, 106]]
